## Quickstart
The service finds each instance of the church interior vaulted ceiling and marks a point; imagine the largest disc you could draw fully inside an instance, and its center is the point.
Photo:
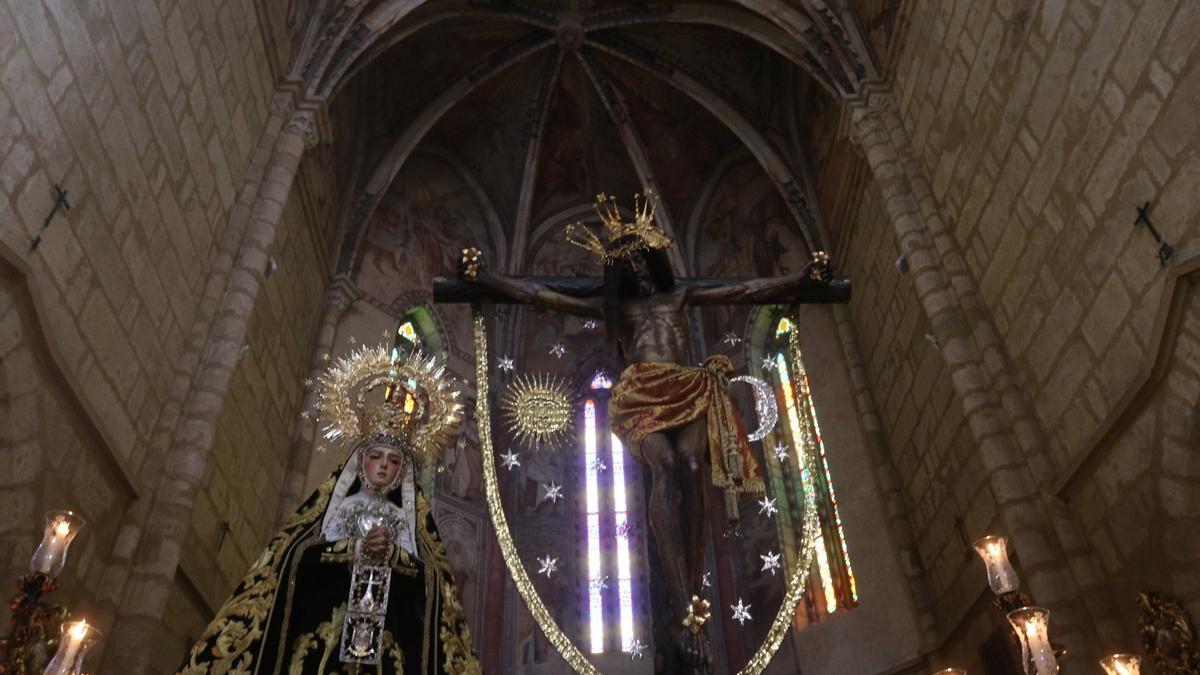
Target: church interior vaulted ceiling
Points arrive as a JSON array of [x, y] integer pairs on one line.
[[301, 364]]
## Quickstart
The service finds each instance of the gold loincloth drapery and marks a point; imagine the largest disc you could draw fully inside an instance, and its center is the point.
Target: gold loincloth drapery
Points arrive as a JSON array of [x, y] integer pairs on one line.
[[652, 397]]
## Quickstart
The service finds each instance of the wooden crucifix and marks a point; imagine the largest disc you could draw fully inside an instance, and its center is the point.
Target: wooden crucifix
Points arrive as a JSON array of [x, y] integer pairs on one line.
[[672, 415]]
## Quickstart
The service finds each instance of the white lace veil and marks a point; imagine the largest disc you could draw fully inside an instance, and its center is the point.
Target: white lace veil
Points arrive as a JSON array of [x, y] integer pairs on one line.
[[352, 471]]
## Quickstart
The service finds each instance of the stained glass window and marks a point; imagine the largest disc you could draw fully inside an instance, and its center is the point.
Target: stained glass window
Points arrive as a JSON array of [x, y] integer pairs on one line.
[[601, 380], [784, 327], [408, 332], [415, 329], [835, 575], [621, 540], [610, 563], [595, 562]]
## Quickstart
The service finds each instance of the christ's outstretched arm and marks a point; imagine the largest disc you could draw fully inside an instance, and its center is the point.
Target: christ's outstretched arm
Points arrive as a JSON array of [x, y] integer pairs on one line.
[[786, 289], [525, 291]]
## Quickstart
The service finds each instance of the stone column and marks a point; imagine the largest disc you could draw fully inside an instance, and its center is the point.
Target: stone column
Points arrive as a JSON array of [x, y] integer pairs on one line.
[[339, 296], [1022, 417], [117, 570], [1009, 474], [158, 554], [1026, 427], [889, 480]]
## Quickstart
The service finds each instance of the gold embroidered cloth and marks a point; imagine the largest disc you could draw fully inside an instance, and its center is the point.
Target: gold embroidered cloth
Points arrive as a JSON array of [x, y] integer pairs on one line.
[[654, 397], [285, 618]]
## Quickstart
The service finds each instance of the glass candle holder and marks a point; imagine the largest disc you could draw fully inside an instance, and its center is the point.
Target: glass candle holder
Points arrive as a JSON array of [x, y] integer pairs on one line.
[[51, 554], [1121, 664], [77, 638], [1032, 624], [951, 671], [1002, 578]]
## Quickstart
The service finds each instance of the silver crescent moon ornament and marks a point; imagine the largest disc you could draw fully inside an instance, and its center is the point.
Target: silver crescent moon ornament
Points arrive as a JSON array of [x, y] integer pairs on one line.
[[764, 405]]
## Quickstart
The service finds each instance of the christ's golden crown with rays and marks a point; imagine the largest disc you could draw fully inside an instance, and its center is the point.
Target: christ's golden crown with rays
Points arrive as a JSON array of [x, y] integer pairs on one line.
[[622, 239]]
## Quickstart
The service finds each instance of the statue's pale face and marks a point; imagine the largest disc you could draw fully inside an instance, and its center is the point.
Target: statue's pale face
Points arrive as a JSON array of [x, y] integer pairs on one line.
[[381, 465]]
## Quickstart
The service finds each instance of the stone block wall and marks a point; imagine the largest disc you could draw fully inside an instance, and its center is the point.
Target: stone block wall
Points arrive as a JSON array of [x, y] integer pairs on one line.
[[930, 446], [52, 456], [1138, 495], [254, 430], [186, 615], [147, 113], [1042, 126]]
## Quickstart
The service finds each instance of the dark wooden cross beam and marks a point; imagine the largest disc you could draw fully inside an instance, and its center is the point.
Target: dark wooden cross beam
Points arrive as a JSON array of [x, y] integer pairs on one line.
[[452, 291]]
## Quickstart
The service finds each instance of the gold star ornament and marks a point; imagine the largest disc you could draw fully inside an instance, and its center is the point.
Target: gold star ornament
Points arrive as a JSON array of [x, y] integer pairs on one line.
[[697, 614]]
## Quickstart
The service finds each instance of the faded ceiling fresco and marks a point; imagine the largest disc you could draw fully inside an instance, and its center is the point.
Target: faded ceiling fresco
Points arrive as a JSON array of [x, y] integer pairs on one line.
[[421, 224], [544, 104]]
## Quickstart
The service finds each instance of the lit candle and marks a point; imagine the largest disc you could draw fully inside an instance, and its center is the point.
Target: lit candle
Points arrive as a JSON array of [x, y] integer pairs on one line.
[[951, 671], [1001, 576], [60, 531], [1031, 624], [1121, 664], [77, 638]]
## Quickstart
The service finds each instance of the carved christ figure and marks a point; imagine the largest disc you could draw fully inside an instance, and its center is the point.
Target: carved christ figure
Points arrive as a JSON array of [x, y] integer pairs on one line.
[[672, 415]]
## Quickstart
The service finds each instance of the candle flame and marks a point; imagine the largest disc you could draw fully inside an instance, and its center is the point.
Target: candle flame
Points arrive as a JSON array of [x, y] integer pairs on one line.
[[79, 630], [62, 528], [993, 549], [1121, 664]]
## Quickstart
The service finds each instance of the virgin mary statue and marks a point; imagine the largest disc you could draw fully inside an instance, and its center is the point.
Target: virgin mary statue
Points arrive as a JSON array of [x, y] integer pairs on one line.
[[357, 580]]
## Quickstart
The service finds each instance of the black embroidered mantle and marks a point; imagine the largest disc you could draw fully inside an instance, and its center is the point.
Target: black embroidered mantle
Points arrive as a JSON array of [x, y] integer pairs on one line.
[[285, 618]]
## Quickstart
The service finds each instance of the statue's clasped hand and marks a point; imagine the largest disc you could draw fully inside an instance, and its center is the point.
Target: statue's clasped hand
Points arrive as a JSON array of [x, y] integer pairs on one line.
[[471, 262], [377, 541]]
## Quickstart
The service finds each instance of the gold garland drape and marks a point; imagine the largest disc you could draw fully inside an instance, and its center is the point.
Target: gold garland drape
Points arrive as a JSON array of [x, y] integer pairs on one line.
[[516, 567]]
